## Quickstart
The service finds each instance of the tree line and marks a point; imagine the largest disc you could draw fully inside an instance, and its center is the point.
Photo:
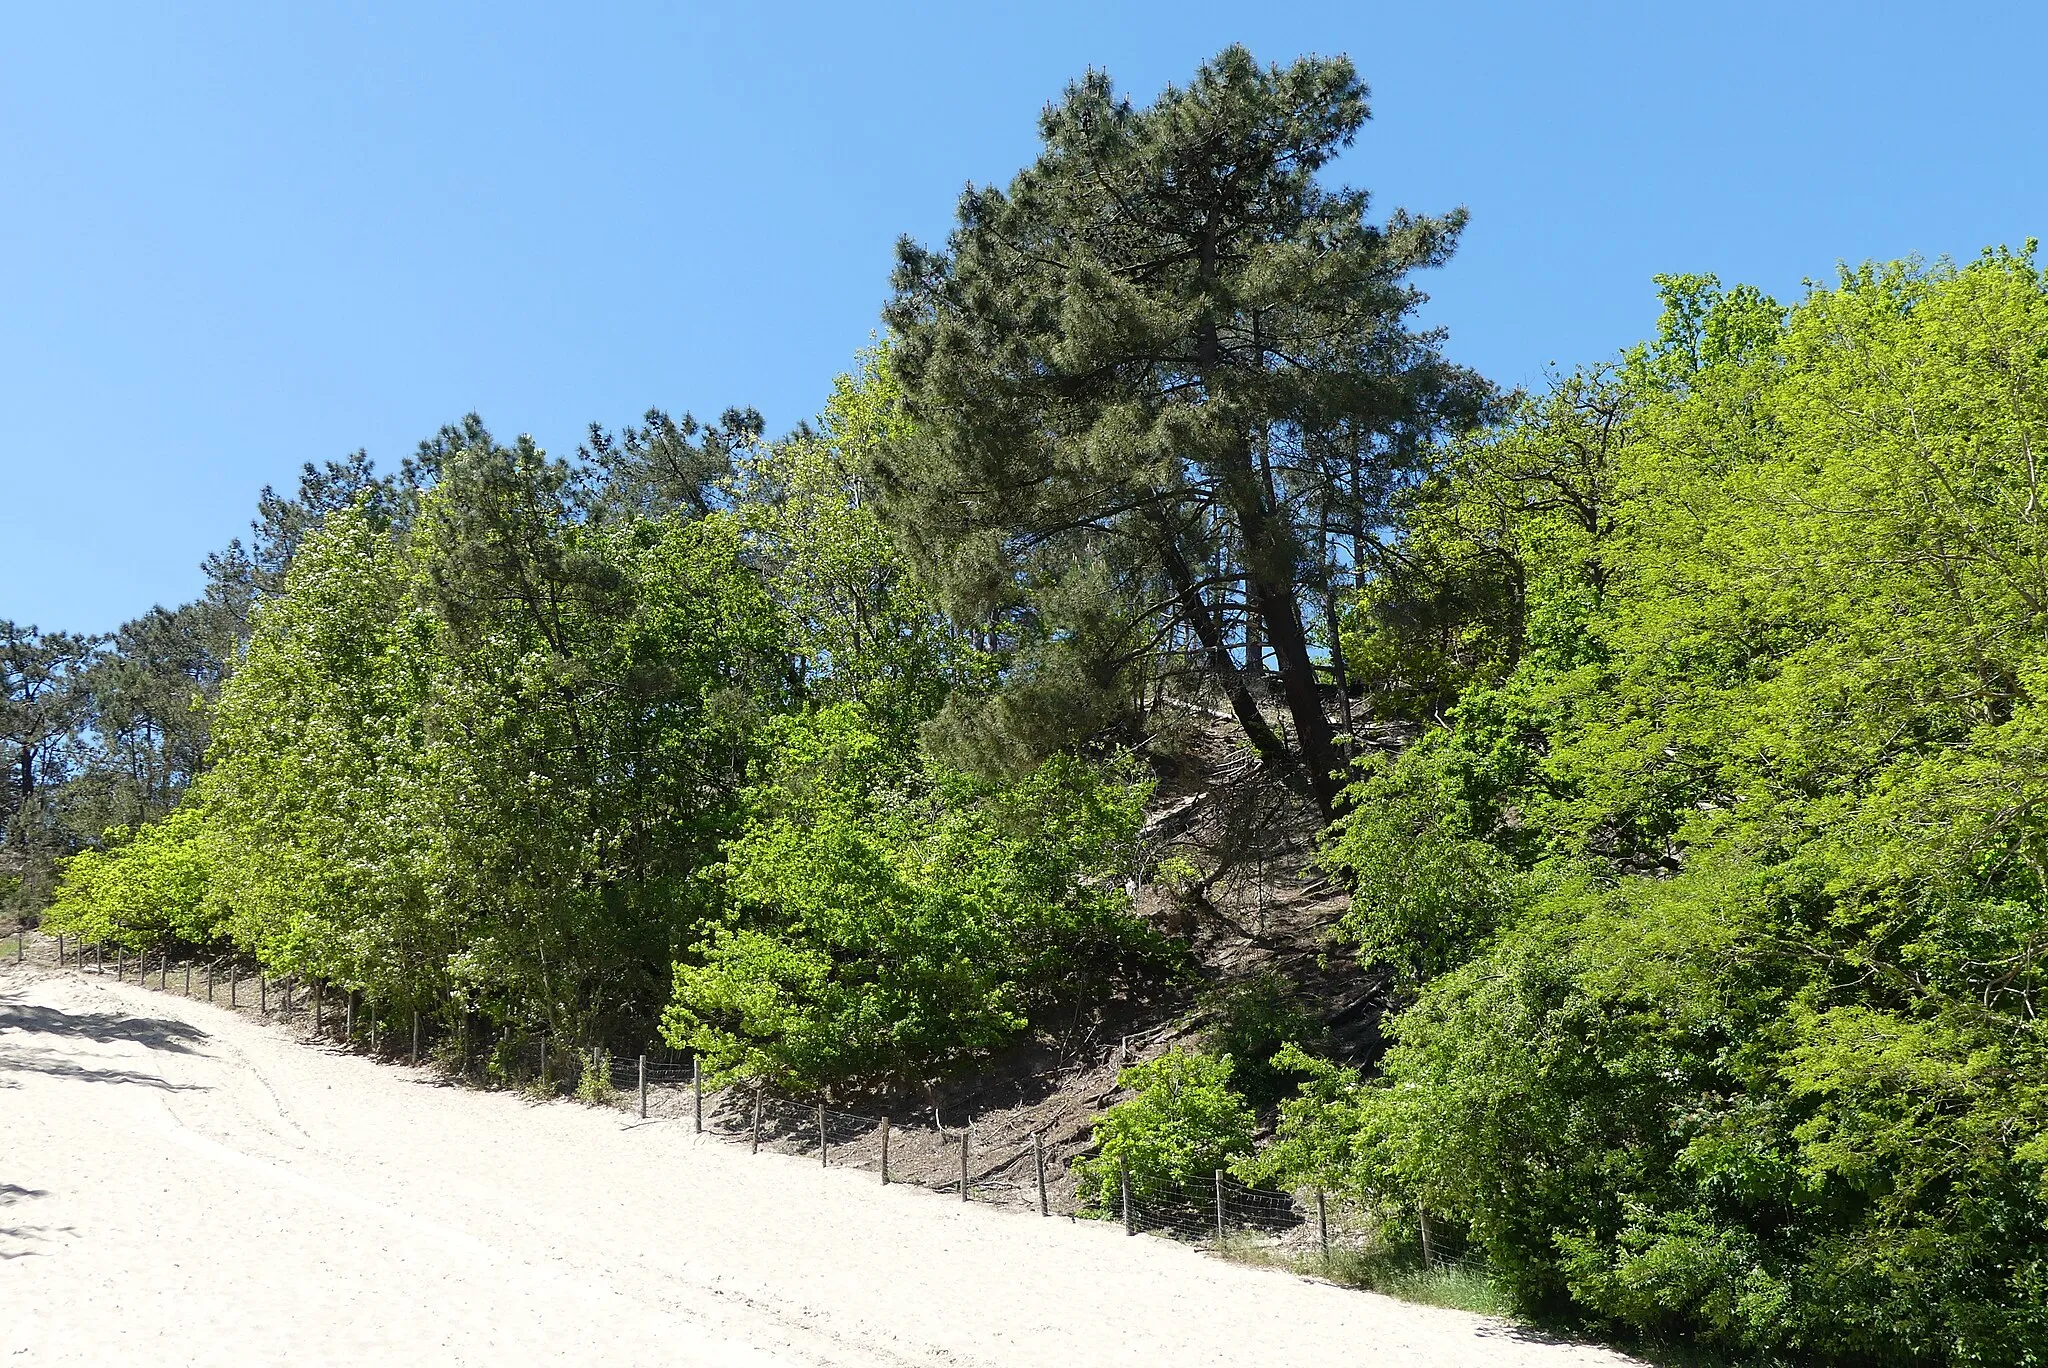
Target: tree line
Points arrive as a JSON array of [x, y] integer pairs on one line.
[[1710, 904]]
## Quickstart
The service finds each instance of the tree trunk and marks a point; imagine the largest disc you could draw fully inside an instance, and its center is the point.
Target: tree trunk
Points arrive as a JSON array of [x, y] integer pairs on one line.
[[1340, 676], [1209, 632], [1254, 642], [1270, 564], [1281, 609]]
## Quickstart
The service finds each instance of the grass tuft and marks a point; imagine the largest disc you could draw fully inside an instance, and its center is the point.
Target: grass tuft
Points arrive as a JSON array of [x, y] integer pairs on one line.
[[1457, 1286]]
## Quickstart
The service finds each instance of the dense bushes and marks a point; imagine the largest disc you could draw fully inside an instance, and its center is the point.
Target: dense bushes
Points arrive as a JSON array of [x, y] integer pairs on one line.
[[539, 741], [146, 886], [890, 918], [1733, 1034], [1252, 1023], [1182, 1122]]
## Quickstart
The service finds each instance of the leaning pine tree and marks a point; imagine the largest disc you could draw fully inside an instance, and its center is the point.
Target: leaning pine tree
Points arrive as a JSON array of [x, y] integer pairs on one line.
[[1159, 391]]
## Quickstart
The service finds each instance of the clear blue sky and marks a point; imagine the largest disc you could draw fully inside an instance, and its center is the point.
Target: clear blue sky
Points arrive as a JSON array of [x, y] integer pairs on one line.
[[236, 238]]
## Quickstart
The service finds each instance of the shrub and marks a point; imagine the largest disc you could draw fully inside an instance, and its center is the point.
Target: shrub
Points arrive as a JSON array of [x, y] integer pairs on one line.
[[1182, 1122], [594, 1083], [895, 921], [147, 886], [1255, 1020]]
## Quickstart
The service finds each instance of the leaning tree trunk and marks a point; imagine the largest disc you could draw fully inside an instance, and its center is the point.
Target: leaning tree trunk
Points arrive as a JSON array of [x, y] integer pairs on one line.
[[1271, 563], [1217, 652]]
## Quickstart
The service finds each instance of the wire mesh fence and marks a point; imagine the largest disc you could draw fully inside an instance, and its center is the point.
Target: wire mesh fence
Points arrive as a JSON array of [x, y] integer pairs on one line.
[[992, 1161], [309, 1008]]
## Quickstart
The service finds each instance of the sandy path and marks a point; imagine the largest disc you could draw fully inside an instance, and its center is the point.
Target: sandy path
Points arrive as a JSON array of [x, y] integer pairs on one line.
[[182, 1185]]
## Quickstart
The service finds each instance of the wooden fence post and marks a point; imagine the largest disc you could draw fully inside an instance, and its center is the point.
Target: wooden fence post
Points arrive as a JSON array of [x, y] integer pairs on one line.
[[963, 1163], [163, 972], [1038, 1157], [1428, 1256], [543, 1061], [1323, 1223], [415, 1037], [754, 1145], [1123, 1180], [188, 978], [697, 1089], [885, 1151], [348, 1024], [643, 1087], [263, 993], [1219, 1206], [234, 984], [824, 1158]]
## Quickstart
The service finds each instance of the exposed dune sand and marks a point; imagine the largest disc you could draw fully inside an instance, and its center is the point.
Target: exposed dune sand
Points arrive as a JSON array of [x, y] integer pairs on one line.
[[182, 1185]]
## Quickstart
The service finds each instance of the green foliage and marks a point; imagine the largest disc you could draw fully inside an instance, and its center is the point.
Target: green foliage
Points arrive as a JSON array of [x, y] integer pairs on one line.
[[1503, 550], [1425, 893], [859, 626], [589, 724], [594, 1077], [1254, 1021], [1727, 950], [892, 921], [312, 804], [1155, 385], [144, 886], [487, 750], [1321, 1140], [42, 704], [543, 742], [1182, 1122]]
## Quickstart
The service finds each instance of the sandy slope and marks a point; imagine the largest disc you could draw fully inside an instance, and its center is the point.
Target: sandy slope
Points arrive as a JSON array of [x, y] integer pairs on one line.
[[181, 1185]]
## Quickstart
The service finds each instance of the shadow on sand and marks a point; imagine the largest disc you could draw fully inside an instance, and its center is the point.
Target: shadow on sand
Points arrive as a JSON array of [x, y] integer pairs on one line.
[[103, 1028], [19, 1020]]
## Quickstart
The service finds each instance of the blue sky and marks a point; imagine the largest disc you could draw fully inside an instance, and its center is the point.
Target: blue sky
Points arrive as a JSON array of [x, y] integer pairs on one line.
[[233, 239]]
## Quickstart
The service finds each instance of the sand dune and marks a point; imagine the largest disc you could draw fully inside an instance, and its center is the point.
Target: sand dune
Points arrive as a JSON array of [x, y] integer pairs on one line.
[[182, 1185]]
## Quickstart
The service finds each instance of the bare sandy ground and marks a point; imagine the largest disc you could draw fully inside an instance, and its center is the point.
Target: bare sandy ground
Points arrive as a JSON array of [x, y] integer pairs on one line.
[[182, 1185]]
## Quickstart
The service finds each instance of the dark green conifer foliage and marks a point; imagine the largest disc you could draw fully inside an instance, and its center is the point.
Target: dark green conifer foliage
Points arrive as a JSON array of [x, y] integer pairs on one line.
[[669, 464], [1157, 390]]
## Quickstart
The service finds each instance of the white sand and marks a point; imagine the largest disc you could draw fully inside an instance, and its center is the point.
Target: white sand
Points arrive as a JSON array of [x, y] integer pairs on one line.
[[182, 1185]]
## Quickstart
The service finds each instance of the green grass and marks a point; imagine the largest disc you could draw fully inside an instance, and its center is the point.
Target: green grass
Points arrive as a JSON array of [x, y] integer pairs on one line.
[[1450, 1285], [1458, 1287]]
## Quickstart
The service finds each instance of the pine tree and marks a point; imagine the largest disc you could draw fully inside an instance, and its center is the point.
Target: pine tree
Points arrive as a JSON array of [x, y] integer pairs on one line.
[[1157, 391]]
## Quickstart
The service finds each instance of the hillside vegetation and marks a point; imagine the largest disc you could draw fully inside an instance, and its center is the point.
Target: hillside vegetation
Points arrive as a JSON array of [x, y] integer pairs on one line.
[[1671, 735]]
